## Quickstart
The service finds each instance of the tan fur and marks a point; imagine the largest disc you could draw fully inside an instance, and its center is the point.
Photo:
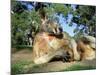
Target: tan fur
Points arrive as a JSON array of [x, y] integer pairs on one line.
[[85, 51], [46, 47], [74, 48]]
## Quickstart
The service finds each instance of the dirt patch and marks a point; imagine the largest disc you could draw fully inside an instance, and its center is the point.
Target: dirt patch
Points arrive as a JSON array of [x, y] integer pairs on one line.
[[21, 55]]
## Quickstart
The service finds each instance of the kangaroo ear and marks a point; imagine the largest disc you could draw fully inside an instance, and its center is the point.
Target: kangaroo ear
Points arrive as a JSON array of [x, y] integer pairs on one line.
[[42, 13]]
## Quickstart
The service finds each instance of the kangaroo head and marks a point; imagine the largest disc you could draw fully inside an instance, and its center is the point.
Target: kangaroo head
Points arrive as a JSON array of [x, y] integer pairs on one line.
[[54, 28]]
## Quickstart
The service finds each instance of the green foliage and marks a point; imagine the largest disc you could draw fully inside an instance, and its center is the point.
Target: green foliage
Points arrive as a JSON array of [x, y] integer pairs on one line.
[[61, 9], [85, 18], [17, 7], [20, 22], [19, 47], [22, 19], [16, 69]]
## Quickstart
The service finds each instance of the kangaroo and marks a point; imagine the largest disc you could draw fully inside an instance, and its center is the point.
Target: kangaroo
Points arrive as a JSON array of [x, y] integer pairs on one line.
[[48, 46]]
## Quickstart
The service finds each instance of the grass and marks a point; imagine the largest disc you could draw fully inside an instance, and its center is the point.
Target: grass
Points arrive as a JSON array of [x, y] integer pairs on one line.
[[22, 67], [18, 68], [79, 67]]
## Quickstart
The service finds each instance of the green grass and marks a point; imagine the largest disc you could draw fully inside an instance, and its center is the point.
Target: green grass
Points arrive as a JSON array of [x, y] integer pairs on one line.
[[18, 68], [79, 67], [23, 67]]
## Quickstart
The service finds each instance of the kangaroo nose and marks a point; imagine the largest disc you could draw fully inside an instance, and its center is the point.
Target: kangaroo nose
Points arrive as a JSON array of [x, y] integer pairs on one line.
[[60, 29]]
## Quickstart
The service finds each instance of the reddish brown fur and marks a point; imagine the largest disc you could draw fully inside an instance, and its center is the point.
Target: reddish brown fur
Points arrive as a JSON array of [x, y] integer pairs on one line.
[[42, 45], [85, 51]]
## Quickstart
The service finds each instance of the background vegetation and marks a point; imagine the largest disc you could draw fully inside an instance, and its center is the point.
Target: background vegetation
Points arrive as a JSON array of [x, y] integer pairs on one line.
[[24, 13]]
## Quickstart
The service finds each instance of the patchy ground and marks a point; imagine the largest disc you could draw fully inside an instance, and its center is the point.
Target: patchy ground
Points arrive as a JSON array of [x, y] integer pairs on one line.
[[21, 55], [23, 58]]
